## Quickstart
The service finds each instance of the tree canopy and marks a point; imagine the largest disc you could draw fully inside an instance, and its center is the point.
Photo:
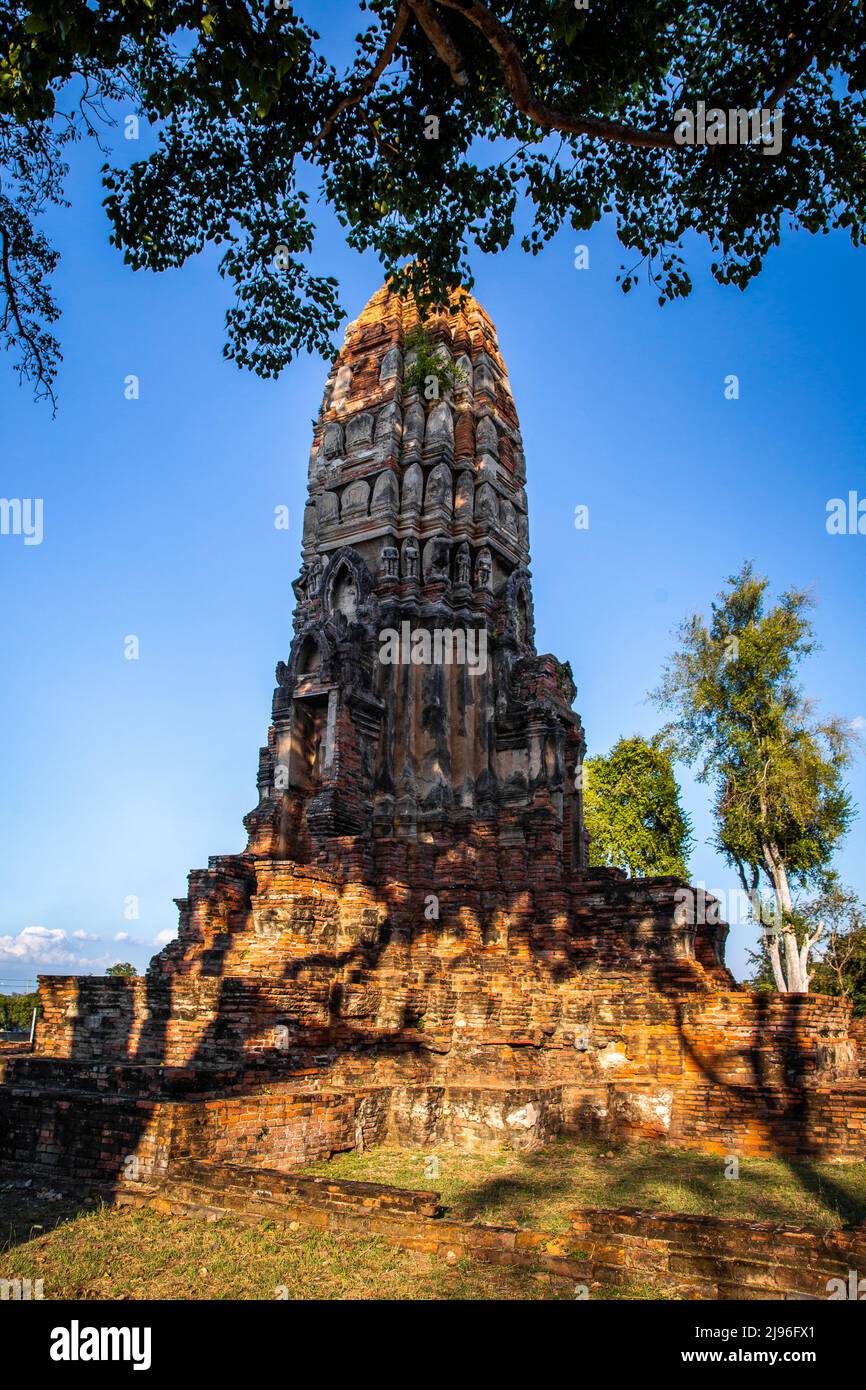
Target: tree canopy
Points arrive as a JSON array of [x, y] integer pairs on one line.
[[455, 119], [632, 810], [777, 769]]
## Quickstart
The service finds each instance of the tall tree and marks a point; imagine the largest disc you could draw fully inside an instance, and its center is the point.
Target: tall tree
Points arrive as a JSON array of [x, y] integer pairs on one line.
[[780, 802], [453, 117], [632, 809]]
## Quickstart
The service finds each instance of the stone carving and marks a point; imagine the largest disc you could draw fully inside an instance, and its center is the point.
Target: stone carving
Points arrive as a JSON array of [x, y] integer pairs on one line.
[[413, 486], [410, 559], [438, 493], [312, 577], [436, 559], [508, 518], [486, 436], [483, 570], [390, 566], [440, 428], [464, 496], [413, 427], [484, 377], [463, 367], [332, 440], [463, 568], [344, 594], [392, 365], [355, 500], [389, 427], [386, 493], [327, 508], [342, 385], [486, 506], [359, 430]]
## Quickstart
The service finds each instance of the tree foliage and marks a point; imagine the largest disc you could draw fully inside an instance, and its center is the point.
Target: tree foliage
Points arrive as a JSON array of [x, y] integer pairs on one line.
[[454, 117], [121, 967], [632, 810], [430, 369], [777, 770], [841, 968], [16, 1010]]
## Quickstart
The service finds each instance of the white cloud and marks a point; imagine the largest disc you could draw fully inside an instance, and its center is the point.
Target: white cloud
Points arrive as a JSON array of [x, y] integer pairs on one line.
[[84, 936], [858, 723], [163, 937], [49, 947]]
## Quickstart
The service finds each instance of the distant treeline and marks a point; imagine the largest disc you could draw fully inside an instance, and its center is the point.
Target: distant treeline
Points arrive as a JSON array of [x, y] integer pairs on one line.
[[16, 1010]]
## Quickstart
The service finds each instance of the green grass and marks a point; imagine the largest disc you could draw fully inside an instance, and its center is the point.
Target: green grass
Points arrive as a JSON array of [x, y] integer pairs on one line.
[[105, 1252], [539, 1188], [110, 1253]]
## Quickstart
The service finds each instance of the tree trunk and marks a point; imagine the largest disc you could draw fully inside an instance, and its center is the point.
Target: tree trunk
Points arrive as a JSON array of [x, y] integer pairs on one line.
[[796, 975], [772, 944]]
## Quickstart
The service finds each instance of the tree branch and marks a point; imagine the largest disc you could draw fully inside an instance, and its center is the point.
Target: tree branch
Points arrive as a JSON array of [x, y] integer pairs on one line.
[[440, 40], [552, 118], [801, 63], [372, 77], [517, 82], [29, 342]]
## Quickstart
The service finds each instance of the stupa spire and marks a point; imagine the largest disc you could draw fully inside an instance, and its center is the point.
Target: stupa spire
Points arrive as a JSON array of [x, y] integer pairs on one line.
[[412, 693]]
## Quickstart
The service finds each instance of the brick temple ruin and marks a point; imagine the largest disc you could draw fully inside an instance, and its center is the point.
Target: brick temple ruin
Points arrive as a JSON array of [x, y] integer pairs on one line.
[[412, 948]]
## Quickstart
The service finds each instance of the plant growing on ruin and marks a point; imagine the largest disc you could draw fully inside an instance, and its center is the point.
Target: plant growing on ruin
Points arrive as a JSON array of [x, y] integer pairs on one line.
[[632, 810], [777, 770], [431, 372], [457, 125]]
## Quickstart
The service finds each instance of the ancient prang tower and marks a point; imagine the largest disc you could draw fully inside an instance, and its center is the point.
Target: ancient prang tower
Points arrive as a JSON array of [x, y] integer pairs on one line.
[[411, 946], [413, 705]]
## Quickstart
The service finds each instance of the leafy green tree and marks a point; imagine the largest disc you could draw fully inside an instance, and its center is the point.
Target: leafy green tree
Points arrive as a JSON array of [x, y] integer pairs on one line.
[[836, 921], [841, 969], [455, 121], [780, 802], [632, 809], [121, 968], [16, 1010]]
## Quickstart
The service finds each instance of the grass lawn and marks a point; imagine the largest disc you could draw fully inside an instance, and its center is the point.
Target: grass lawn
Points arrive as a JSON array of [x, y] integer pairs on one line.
[[107, 1253], [539, 1188]]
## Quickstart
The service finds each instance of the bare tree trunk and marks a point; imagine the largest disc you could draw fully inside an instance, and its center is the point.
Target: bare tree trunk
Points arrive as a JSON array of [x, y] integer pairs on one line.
[[772, 944], [796, 975], [771, 939]]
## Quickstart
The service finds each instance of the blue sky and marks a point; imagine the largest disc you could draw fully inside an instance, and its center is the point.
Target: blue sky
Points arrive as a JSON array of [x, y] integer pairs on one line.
[[120, 776]]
